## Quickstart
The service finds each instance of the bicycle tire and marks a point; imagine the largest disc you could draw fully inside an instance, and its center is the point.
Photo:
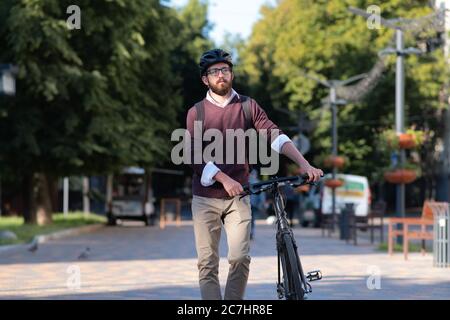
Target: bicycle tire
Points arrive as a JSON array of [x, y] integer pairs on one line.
[[292, 275]]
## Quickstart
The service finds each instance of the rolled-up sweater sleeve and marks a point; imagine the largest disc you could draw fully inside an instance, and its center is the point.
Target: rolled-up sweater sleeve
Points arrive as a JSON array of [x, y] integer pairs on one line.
[[204, 170], [275, 136]]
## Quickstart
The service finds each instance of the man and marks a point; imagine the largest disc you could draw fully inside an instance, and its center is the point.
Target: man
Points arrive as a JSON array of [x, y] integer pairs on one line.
[[216, 187]]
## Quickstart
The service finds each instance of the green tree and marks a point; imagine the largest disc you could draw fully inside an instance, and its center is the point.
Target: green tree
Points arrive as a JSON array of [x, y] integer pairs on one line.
[[324, 39], [88, 101], [191, 41]]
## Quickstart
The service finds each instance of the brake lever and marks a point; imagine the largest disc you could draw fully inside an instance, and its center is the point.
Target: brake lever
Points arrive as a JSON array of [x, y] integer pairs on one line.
[[247, 191], [305, 177]]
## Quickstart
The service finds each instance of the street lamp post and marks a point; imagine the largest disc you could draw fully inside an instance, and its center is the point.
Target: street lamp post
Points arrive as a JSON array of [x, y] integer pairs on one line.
[[8, 79], [400, 53], [8, 88], [332, 85], [399, 113]]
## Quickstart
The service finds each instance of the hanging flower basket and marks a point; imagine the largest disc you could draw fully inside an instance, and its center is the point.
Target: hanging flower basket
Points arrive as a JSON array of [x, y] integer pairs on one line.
[[411, 139], [334, 162], [406, 141], [334, 183], [400, 176]]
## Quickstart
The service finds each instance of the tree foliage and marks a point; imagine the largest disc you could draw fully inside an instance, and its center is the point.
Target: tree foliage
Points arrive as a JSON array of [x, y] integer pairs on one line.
[[324, 39], [88, 101]]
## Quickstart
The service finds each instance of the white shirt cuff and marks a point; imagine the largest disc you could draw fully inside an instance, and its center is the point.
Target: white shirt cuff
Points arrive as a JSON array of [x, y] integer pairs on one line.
[[279, 141], [209, 171]]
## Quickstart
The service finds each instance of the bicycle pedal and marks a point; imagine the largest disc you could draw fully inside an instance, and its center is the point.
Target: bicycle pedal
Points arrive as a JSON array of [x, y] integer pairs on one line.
[[280, 290], [314, 275]]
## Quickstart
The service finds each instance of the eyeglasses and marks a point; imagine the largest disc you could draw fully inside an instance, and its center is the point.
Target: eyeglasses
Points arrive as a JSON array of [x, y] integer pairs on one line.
[[215, 71]]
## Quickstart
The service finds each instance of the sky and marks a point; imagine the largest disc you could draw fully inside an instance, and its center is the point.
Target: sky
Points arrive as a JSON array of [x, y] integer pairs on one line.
[[233, 16]]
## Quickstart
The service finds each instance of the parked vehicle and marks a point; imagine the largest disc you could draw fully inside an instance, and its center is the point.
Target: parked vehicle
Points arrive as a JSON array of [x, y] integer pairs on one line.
[[318, 202], [131, 197]]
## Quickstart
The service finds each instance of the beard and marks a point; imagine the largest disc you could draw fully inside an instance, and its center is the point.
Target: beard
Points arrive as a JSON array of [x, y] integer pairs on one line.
[[221, 88]]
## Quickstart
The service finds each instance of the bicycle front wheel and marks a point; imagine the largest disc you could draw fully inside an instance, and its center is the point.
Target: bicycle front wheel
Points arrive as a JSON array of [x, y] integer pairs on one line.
[[291, 273]]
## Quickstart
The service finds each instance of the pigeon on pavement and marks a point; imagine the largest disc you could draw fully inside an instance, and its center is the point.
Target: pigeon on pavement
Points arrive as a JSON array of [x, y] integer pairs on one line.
[[34, 246], [84, 254]]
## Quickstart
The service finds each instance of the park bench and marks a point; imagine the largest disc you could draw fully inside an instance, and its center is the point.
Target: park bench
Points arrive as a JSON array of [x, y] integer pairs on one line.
[[373, 221], [423, 222], [162, 214], [326, 223]]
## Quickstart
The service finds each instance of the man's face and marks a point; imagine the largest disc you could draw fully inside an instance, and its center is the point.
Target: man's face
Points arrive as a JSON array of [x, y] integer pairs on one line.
[[219, 78]]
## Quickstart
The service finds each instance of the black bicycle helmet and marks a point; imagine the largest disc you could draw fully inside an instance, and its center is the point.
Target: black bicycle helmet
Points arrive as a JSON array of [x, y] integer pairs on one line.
[[212, 57]]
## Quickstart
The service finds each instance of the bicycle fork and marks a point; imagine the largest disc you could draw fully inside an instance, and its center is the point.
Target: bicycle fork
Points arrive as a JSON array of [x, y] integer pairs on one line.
[[280, 288]]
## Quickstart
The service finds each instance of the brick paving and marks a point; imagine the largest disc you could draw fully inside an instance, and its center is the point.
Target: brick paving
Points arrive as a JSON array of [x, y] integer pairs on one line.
[[137, 262]]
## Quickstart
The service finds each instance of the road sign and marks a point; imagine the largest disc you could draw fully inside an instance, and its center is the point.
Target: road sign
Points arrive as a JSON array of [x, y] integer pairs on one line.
[[302, 143]]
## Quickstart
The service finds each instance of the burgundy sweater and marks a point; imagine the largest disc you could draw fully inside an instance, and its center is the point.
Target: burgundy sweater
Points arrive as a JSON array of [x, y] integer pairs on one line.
[[222, 118]]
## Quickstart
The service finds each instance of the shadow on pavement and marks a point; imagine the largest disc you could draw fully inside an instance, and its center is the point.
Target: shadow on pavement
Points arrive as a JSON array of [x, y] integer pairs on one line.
[[338, 288]]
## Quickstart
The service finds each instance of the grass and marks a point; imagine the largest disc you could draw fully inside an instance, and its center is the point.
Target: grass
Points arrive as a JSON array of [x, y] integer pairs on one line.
[[413, 247], [25, 233]]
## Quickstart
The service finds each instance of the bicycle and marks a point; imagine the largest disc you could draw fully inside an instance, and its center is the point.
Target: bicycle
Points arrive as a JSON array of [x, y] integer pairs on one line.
[[295, 285]]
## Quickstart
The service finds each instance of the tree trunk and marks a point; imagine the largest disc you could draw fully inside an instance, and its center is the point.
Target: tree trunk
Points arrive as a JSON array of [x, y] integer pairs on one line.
[[109, 192], [86, 200], [29, 215], [37, 199]]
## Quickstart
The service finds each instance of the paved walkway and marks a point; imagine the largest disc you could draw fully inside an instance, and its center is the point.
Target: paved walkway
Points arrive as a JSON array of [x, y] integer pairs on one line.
[[137, 262]]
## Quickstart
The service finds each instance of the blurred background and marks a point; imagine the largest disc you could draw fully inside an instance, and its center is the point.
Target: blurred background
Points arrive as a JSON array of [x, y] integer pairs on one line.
[[92, 90]]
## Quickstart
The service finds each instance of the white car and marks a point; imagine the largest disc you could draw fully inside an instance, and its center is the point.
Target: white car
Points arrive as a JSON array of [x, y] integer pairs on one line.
[[355, 190]]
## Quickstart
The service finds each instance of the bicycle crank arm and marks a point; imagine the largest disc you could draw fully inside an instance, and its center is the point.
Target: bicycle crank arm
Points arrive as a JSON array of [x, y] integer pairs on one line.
[[314, 275]]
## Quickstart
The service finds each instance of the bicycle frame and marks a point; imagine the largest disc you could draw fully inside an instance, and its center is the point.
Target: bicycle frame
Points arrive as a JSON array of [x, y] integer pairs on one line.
[[285, 238], [282, 228]]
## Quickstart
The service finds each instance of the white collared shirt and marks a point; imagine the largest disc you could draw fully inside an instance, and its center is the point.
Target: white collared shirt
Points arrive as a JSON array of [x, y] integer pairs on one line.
[[222, 105]]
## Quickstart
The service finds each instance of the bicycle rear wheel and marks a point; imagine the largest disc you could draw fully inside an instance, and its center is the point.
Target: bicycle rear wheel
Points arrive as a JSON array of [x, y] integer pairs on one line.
[[291, 273]]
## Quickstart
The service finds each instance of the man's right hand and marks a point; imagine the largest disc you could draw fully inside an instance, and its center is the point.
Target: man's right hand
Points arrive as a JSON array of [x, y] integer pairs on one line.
[[232, 187]]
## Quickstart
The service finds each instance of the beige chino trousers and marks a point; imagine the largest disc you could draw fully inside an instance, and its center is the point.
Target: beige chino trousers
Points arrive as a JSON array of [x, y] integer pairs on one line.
[[209, 214]]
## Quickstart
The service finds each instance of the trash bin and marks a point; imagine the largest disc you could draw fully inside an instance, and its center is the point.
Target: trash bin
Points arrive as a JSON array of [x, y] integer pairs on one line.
[[344, 220], [441, 246]]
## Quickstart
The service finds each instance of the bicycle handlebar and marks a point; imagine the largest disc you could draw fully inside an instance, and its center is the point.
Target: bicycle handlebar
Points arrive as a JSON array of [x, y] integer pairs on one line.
[[256, 188]]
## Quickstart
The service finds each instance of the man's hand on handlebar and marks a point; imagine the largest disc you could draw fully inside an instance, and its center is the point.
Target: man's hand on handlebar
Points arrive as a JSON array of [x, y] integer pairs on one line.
[[314, 174], [294, 181], [234, 188]]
